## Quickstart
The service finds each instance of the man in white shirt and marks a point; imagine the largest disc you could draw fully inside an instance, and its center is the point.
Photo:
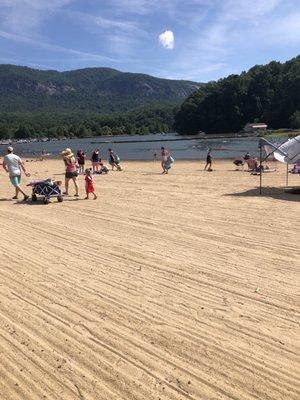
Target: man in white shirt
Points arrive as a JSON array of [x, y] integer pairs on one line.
[[13, 165]]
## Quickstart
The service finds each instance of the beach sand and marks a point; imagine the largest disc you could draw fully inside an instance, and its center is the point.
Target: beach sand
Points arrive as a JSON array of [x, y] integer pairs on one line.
[[167, 287]]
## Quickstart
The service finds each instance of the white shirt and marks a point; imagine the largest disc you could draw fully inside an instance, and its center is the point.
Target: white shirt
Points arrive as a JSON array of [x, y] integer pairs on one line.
[[12, 162]]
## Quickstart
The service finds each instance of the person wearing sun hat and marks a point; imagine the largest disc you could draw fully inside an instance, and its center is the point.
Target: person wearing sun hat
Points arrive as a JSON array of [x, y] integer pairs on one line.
[[13, 165], [71, 170]]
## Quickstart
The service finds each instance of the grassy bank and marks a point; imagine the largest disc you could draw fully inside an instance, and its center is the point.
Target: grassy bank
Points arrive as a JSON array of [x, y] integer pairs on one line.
[[282, 133]]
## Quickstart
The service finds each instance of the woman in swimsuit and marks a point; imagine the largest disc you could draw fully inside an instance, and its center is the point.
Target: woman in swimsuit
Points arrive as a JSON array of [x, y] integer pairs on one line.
[[71, 170]]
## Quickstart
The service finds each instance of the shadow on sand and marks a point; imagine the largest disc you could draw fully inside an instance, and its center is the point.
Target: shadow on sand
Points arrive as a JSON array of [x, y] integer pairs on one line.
[[39, 202], [273, 192]]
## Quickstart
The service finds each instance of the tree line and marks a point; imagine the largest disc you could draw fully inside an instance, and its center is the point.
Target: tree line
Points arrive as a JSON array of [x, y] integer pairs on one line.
[[53, 125], [269, 94]]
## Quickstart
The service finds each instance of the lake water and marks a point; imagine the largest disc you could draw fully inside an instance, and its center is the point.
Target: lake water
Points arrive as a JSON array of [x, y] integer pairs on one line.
[[143, 148]]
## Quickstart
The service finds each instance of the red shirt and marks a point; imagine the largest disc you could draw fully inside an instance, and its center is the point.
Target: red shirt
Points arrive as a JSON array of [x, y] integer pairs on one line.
[[89, 184]]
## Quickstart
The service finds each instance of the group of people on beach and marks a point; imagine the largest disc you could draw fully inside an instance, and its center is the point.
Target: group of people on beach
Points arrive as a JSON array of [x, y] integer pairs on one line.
[[77, 166], [74, 166]]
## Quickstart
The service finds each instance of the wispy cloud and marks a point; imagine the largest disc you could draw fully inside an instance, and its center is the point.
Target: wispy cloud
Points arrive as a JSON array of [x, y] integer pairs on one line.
[[213, 37], [49, 46], [26, 16], [106, 23], [166, 39]]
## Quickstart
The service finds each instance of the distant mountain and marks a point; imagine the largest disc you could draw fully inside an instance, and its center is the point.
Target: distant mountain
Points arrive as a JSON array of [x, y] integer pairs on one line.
[[97, 90]]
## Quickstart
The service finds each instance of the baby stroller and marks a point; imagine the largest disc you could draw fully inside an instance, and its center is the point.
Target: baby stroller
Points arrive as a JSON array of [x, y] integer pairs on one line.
[[46, 189]]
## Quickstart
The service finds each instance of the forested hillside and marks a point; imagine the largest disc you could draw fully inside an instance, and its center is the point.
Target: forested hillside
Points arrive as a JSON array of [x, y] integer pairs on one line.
[[86, 102], [98, 90], [269, 93]]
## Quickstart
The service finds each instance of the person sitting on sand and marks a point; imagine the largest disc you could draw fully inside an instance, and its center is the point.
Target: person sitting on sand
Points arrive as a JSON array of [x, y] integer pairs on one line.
[[296, 168], [103, 168], [208, 161], [164, 158], [71, 170], [252, 164], [89, 185], [13, 165]]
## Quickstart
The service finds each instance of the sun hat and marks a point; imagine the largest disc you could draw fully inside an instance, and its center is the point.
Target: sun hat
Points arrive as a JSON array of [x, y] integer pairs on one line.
[[10, 149], [67, 152]]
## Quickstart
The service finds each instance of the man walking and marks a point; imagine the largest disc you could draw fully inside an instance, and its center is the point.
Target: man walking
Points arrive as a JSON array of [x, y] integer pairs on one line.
[[208, 161], [13, 165]]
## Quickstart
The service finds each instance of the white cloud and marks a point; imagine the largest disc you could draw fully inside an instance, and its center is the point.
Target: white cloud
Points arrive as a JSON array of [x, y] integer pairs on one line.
[[166, 39]]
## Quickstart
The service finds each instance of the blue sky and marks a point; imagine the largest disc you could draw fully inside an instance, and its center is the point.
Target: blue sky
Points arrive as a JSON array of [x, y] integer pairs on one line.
[[199, 40]]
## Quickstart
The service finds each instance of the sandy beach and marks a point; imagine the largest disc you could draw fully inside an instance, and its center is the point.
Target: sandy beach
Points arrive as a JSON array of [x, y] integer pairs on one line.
[[173, 287]]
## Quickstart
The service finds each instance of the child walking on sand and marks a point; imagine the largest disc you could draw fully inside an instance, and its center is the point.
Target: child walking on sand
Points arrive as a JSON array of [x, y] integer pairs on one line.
[[89, 186]]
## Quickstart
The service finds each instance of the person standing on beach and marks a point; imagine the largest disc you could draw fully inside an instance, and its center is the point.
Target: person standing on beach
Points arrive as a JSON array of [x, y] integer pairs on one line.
[[13, 165], [89, 184], [81, 160], [114, 160], [164, 158], [71, 170], [208, 161], [43, 154], [96, 160]]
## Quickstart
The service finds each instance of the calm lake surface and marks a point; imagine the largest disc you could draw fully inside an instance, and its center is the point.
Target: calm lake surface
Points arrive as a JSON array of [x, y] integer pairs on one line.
[[143, 148]]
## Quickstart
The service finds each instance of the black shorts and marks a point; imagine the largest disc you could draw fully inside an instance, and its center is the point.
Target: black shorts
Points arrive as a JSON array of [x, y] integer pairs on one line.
[[71, 175]]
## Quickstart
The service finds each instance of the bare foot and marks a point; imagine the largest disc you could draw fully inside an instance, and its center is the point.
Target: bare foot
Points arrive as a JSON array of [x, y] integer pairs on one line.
[[95, 197]]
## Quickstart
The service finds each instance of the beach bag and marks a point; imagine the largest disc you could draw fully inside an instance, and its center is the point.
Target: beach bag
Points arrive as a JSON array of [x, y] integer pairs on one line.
[[169, 162]]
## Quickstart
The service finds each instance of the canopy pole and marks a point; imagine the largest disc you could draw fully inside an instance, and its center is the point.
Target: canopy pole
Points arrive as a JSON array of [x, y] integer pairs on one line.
[[260, 167]]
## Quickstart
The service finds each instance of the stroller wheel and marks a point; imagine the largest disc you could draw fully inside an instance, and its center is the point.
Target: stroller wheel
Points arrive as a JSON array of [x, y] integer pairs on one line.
[[45, 200], [34, 197], [60, 199]]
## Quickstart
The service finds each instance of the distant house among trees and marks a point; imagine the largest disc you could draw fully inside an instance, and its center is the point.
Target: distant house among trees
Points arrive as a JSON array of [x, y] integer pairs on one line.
[[255, 127]]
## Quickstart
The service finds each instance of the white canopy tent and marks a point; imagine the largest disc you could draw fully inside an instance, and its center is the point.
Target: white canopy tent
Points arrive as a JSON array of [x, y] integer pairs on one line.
[[287, 152]]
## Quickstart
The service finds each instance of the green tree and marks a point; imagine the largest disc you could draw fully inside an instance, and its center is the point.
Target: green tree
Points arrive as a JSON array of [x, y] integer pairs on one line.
[[295, 120], [23, 132]]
